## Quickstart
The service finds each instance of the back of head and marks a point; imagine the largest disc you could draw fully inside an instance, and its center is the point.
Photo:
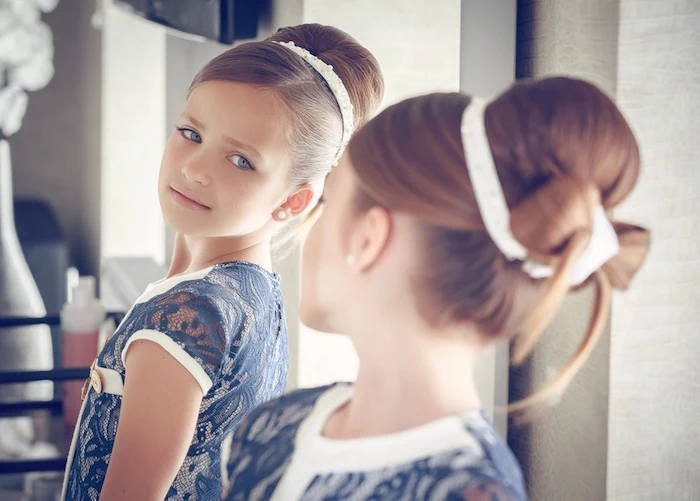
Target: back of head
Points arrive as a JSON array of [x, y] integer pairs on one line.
[[561, 148], [354, 64], [315, 124]]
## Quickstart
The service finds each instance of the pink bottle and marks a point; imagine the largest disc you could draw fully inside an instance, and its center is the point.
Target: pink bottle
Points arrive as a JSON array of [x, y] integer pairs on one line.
[[81, 319]]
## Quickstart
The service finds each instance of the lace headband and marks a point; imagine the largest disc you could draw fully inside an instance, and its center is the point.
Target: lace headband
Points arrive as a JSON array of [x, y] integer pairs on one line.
[[337, 88], [493, 208]]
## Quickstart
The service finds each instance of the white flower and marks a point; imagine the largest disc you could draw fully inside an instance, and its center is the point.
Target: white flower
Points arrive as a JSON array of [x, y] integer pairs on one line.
[[14, 46], [26, 57], [46, 5], [25, 42], [13, 106], [8, 20], [6, 96], [26, 10], [34, 74]]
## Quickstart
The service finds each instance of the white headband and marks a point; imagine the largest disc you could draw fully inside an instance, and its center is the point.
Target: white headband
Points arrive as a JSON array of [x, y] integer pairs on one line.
[[337, 88], [493, 207]]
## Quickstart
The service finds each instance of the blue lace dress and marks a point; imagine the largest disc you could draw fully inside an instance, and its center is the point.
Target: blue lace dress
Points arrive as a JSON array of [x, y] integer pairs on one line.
[[280, 454], [226, 326]]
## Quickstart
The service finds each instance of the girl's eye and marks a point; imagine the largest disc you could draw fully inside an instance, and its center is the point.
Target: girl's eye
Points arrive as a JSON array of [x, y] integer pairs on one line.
[[190, 135], [241, 162]]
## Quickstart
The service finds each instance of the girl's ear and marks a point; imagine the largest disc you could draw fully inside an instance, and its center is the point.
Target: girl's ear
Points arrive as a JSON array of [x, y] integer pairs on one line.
[[370, 238], [295, 204]]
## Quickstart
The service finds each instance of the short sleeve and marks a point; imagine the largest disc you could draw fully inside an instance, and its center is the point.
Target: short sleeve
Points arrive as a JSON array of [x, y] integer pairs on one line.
[[192, 329]]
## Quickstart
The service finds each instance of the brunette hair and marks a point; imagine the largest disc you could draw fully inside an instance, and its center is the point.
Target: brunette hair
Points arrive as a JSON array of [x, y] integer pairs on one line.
[[561, 148], [316, 125]]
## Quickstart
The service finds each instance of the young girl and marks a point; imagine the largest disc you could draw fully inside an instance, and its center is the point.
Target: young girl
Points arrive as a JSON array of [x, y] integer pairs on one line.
[[263, 123], [450, 224]]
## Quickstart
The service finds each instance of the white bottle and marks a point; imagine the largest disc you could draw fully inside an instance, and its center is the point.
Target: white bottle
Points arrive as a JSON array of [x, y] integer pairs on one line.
[[81, 319]]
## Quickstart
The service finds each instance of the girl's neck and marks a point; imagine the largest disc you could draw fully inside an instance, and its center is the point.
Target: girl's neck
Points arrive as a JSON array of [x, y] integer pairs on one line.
[[423, 379], [195, 253]]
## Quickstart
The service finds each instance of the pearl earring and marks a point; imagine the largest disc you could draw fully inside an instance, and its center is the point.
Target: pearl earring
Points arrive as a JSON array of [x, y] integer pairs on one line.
[[350, 259], [281, 215]]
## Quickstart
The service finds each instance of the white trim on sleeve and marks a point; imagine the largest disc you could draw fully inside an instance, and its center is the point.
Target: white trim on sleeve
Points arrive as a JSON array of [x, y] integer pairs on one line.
[[176, 351]]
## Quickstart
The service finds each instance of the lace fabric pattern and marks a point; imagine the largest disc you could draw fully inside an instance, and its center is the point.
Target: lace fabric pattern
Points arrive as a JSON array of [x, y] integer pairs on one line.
[[231, 323], [264, 445]]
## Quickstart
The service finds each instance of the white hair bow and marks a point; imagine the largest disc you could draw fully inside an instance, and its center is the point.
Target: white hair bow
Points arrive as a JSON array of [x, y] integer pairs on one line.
[[493, 208]]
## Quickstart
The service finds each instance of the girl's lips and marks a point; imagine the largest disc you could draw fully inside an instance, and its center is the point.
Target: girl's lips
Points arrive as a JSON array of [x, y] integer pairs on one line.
[[186, 201]]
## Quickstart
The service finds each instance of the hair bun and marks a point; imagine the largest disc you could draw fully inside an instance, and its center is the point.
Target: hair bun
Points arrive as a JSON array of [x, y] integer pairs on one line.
[[354, 64], [547, 220], [634, 247]]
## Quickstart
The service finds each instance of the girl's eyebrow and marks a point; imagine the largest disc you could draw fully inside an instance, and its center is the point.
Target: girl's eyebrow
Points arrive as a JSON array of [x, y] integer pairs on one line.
[[228, 139]]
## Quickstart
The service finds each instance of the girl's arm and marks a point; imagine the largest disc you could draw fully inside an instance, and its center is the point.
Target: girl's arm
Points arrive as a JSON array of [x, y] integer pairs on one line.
[[159, 412]]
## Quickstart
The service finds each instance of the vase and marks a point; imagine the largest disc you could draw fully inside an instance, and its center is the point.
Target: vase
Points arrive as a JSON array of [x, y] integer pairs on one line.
[[21, 348]]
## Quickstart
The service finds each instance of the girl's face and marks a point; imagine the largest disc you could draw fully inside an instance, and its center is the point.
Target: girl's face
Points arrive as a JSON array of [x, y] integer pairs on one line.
[[225, 169], [360, 263], [326, 276]]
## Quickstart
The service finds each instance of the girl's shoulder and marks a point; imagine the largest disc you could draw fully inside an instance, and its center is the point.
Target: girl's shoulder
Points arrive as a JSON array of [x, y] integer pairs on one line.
[[497, 471], [462, 457], [200, 317], [237, 281], [239, 272], [212, 291], [285, 413]]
